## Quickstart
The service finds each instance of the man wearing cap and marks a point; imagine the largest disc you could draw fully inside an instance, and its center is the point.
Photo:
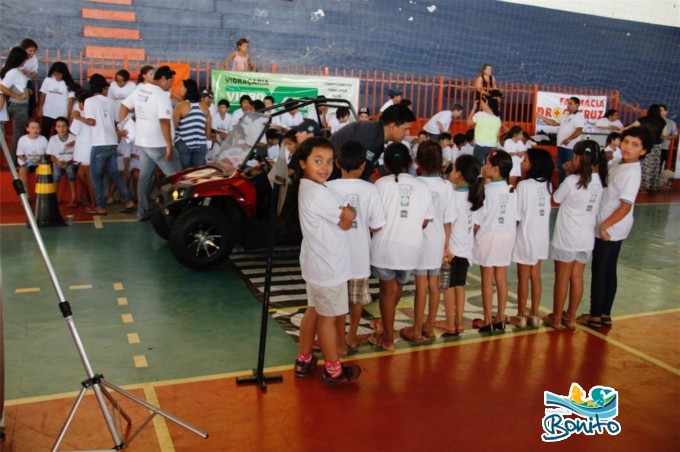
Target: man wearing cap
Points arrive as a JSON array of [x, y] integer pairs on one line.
[[393, 125], [306, 129], [207, 99], [98, 113], [395, 98], [440, 122], [153, 114], [364, 114]]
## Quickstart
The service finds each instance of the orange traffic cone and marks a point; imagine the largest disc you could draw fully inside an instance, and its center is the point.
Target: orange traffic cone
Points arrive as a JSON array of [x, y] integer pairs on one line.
[[46, 205]]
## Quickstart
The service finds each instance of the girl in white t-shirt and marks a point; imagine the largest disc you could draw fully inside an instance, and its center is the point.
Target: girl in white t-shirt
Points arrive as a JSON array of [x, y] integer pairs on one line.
[[396, 248], [325, 262], [435, 243], [579, 196], [82, 150], [30, 148], [57, 93], [495, 231], [119, 91], [468, 198], [532, 244], [513, 145]]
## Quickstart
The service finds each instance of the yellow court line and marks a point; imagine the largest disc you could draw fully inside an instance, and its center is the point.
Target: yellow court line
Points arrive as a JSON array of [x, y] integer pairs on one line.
[[645, 314], [127, 318], [140, 361], [287, 308], [81, 287], [122, 301], [162, 432], [630, 349], [27, 290], [133, 338], [97, 221], [118, 286]]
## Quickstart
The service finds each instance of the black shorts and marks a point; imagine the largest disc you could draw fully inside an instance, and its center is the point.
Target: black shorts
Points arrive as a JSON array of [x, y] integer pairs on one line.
[[459, 270]]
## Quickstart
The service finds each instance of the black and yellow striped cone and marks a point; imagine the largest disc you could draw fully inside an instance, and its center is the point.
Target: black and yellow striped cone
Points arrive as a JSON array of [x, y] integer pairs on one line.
[[46, 205]]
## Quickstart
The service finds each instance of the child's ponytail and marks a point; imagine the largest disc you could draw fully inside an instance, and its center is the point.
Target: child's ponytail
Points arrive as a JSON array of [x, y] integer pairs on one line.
[[397, 159], [471, 170], [589, 152]]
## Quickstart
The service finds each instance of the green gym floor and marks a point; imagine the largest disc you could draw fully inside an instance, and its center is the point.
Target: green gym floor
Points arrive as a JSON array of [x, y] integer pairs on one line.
[[178, 339]]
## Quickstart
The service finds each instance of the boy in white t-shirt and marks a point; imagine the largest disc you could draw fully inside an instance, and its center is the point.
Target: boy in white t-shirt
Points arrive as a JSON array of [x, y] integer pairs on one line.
[[445, 140], [614, 223], [324, 261], [60, 149], [364, 197], [30, 148]]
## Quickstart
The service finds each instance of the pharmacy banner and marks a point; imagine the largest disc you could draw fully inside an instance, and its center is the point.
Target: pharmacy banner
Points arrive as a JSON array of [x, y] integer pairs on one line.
[[554, 105], [231, 85]]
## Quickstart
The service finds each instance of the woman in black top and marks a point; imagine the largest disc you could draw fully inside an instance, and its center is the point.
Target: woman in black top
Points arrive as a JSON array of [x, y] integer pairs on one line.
[[650, 164]]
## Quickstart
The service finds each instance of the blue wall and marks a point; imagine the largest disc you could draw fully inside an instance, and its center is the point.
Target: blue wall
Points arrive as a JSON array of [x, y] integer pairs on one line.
[[524, 44]]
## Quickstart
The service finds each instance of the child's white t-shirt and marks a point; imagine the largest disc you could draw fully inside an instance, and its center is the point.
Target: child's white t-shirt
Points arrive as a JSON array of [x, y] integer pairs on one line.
[[533, 231], [238, 114], [83, 133], [57, 95], [467, 149], [16, 81], [100, 108], [497, 220], [118, 94], [57, 147], [623, 185], [364, 197], [31, 149], [123, 151], [324, 253], [273, 152], [221, 124], [407, 204], [31, 64], [616, 156], [288, 121], [447, 155], [575, 226], [462, 225], [512, 148], [434, 237]]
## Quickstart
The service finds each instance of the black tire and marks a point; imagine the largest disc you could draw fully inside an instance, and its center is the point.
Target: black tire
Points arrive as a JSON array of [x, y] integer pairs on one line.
[[201, 238], [159, 222]]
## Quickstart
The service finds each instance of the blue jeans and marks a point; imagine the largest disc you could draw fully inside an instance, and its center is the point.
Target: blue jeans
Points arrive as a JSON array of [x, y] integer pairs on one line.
[[149, 159], [190, 157], [564, 155], [480, 152], [101, 157], [19, 115], [57, 171]]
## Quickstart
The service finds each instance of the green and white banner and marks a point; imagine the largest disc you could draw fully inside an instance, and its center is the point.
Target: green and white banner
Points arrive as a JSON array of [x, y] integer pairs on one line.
[[231, 85]]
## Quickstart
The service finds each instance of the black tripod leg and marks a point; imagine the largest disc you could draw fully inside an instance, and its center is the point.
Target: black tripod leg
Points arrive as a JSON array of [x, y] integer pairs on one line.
[[258, 374]]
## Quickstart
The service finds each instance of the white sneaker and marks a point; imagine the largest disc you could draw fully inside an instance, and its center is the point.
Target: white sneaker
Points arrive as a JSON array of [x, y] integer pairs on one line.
[[534, 321], [520, 321]]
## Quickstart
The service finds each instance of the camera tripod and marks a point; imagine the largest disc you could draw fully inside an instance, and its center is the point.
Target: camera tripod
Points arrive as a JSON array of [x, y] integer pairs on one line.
[[102, 388]]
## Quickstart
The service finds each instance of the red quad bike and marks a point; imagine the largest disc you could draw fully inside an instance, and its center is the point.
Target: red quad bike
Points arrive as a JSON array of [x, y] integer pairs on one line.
[[204, 211]]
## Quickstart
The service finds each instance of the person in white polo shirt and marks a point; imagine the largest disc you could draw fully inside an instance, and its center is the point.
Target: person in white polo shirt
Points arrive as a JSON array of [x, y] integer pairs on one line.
[[571, 126], [440, 122], [153, 114]]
